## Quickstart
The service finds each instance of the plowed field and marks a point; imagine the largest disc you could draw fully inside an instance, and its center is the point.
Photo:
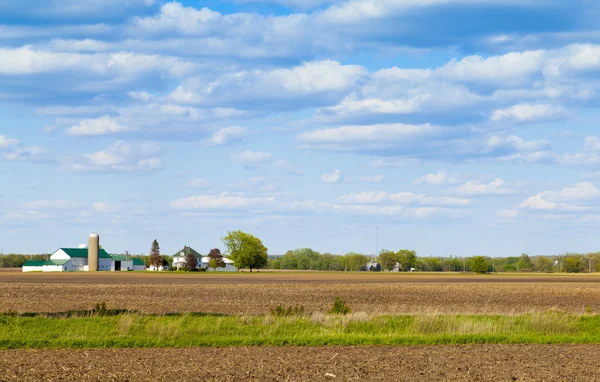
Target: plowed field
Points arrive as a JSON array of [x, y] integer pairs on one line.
[[245, 293], [419, 363]]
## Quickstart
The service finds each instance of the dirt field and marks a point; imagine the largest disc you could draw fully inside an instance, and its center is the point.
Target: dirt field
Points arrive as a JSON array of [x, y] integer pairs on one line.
[[246, 293], [430, 363]]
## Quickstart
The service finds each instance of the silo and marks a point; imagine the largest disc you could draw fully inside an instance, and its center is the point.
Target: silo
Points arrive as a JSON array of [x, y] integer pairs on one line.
[[93, 248]]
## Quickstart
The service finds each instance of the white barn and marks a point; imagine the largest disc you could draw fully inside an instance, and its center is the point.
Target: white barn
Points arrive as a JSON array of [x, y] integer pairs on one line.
[[229, 265], [76, 259]]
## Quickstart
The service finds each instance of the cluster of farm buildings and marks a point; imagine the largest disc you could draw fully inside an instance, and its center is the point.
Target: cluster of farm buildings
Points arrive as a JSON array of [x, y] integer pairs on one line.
[[92, 258]]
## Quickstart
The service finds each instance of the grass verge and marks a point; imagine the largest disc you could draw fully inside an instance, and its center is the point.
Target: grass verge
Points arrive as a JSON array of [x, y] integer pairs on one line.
[[133, 330]]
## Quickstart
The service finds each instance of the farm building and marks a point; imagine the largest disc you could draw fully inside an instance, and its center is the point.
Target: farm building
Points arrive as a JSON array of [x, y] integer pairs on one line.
[[179, 261], [164, 267], [92, 258]]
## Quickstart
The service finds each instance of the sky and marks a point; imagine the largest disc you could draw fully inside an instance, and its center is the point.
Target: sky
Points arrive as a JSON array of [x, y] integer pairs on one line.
[[452, 127]]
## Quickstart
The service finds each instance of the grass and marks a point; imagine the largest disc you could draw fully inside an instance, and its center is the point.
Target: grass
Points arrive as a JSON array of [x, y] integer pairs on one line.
[[134, 330]]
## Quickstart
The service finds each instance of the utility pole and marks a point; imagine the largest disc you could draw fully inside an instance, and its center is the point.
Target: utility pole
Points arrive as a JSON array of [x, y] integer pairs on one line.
[[127, 258]]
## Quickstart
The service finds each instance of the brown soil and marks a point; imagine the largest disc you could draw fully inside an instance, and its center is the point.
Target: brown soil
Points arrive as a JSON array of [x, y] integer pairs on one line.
[[424, 363], [258, 293]]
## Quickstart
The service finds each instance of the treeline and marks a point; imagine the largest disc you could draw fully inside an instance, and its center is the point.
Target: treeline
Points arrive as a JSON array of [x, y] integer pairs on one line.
[[407, 260], [16, 261]]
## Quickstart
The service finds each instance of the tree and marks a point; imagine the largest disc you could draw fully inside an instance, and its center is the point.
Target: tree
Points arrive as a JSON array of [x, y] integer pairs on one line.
[[479, 264], [155, 259], [216, 259], [246, 250], [387, 259], [524, 263], [191, 262], [407, 259], [353, 261], [573, 264], [543, 264]]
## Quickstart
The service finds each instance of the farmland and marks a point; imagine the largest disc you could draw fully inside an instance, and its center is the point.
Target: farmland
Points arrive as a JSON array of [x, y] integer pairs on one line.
[[525, 326]]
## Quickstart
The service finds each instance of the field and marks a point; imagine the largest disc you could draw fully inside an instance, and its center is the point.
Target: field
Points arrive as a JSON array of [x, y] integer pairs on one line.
[[527, 327]]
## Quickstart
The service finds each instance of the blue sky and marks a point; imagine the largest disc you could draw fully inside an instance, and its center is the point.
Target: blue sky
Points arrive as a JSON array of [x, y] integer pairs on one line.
[[456, 127]]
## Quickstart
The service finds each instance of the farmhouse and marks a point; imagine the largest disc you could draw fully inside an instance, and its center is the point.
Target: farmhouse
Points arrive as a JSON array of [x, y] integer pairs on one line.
[[179, 261]]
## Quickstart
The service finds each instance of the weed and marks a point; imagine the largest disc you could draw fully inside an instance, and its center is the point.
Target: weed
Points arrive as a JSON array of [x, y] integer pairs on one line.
[[340, 307], [287, 311]]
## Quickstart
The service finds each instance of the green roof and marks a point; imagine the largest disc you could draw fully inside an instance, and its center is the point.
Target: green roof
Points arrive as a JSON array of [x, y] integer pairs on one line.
[[56, 262], [138, 262], [187, 250], [39, 263], [34, 263], [83, 252]]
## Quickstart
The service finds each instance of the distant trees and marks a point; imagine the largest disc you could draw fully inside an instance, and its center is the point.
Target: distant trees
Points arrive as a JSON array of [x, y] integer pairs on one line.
[[191, 262], [479, 264], [524, 264], [407, 259], [155, 259], [572, 263], [387, 259], [543, 264], [216, 259], [246, 250]]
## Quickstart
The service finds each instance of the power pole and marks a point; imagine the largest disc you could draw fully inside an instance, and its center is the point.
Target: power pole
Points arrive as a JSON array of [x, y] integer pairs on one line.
[[376, 243]]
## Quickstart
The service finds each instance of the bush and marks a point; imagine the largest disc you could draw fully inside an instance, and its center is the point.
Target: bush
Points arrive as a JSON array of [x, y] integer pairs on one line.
[[287, 311], [340, 307], [201, 269]]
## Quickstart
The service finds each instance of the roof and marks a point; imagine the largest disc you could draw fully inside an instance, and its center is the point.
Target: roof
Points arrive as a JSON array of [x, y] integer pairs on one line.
[[83, 252], [187, 250], [138, 262], [39, 263], [34, 263]]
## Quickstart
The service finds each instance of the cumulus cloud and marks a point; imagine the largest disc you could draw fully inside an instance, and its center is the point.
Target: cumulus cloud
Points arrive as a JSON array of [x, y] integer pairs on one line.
[[525, 112], [574, 198], [99, 126], [478, 188], [375, 197], [120, 157], [250, 157], [218, 202], [333, 177], [508, 214], [440, 177], [227, 135]]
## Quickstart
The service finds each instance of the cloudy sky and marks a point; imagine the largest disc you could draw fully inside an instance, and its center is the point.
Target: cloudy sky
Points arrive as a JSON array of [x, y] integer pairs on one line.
[[454, 127]]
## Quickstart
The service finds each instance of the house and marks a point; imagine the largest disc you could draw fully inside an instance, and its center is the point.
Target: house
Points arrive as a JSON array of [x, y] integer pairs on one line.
[[229, 265], [164, 267], [179, 257], [373, 266]]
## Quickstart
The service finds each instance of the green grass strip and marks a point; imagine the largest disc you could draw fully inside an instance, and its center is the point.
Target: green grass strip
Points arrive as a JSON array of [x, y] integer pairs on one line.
[[133, 330]]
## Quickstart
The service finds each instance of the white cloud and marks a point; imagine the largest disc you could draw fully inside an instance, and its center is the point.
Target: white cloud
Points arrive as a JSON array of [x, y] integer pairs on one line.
[[250, 157], [99, 126], [118, 157], [217, 202], [102, 207], [440, 177], [403, 198], [6, 142], [226, 135], [526, 112], [372, 179], [334, 177], [477, 187], [26, 153], [568, 199]]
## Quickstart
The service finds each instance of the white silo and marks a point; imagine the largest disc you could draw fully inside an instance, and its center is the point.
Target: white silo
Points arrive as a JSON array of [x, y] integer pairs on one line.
[[93, 249]]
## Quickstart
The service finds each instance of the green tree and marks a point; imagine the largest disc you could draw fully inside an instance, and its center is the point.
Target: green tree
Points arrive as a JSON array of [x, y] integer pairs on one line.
[[155, 259], [524, 263], [353, 261], [407, 259], [246, 250], [573, 264], [216, 259], [387, 259], [543, 264], [479, 264]]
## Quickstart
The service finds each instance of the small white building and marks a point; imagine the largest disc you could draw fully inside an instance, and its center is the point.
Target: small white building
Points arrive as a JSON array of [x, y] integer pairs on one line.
[[76, 259], [229, 265]]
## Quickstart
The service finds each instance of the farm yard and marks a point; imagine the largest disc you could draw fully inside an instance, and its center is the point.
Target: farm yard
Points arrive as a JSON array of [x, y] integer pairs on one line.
[[509, 327]]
